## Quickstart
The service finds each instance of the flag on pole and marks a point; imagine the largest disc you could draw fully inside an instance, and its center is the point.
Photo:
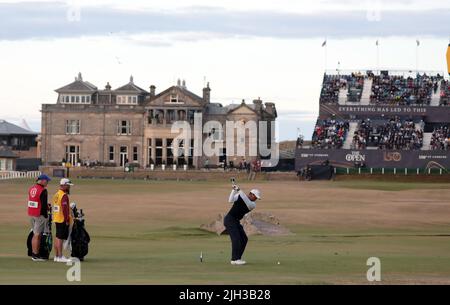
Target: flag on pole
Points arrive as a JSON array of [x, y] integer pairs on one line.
[[418, 42], [324, 43]]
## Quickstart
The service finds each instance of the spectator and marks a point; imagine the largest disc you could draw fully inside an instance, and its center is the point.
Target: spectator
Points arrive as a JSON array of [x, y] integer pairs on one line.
[[398, 90], [445, 93], [231, 165], [329, 134], [332, 84], [394, 134], [440, 139]]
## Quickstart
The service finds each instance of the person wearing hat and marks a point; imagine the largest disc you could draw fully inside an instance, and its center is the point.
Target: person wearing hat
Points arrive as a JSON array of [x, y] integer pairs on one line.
[[61, 218], [38, 212], [242, 204]]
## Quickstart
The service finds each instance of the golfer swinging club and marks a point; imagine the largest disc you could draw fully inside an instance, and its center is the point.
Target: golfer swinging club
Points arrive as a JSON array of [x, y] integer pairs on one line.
[[242, 204]]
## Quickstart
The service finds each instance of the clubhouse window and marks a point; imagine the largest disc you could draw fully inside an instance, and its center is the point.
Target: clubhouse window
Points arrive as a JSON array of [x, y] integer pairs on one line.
[[135, 153], [111, 153], [127, 100], [73, 127], [124, 127], [75, 99]]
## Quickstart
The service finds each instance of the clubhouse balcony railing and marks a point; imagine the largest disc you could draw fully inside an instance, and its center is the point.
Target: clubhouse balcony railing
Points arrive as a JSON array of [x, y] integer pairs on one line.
[[7, 175]]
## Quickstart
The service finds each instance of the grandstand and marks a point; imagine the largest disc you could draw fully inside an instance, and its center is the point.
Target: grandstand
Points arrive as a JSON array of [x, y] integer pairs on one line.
[[381, 119]]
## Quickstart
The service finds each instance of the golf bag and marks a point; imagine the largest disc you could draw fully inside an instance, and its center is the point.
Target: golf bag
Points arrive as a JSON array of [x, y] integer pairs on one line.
[[46, 241], [79, 236]]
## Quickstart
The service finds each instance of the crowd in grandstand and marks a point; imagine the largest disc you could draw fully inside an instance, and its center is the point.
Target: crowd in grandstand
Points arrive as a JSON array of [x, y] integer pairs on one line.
[[329, 134], [398, 90], [396, 133], [386, 88], [330, 89], [440, 139], [355, 84], [333, 83], [445, 93], [361, 135], [393, 134]]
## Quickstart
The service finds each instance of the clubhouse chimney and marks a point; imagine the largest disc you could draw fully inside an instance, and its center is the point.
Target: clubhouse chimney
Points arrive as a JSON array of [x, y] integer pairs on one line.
[[270, 108], [207, 94], [258, 104], [152, 90]]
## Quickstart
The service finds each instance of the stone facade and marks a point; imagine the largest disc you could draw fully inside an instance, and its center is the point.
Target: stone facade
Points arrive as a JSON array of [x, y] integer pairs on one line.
[[132, 125]]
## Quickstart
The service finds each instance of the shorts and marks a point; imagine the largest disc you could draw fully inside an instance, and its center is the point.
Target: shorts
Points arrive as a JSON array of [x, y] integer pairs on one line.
[[38, 224], [62, 231]]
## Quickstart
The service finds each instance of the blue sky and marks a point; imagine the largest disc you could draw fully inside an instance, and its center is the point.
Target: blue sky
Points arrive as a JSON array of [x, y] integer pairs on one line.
[[245, 49]]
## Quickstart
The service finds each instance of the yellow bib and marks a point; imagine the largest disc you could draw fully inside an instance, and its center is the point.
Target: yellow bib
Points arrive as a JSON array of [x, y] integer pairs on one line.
[[57, 213]]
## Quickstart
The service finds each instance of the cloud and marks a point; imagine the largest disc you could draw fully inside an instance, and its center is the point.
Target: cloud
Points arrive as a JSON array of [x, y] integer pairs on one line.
[[160, 39], [52, 20]]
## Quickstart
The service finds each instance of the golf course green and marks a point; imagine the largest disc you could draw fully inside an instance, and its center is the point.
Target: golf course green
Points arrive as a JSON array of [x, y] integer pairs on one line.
[[147, 232]]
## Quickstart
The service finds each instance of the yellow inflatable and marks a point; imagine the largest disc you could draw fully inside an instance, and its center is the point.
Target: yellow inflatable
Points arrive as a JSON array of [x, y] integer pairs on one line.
[[448, 59]]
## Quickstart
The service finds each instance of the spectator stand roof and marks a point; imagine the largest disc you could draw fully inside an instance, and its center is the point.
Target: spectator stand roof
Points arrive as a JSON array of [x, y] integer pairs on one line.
[[7, 128]]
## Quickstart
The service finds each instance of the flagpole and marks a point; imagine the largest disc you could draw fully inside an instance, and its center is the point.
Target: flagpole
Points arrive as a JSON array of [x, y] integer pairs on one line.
[[417, 56], [378, 56]]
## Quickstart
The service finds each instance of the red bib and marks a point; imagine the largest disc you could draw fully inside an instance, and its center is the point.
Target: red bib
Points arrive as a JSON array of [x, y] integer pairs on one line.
[[34, 200]]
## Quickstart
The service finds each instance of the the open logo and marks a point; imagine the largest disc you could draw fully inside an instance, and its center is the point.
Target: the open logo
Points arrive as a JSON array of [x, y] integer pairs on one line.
[[392, 156]]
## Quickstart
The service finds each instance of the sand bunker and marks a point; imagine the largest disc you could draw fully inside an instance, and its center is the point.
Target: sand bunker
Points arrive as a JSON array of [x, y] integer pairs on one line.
[[253, 223]]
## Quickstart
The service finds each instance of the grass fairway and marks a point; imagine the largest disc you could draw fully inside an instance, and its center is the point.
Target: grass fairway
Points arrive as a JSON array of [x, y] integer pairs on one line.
[[147, 232]]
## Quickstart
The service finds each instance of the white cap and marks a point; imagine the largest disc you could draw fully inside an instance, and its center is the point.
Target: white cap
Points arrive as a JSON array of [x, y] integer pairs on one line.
[[256, 192], [65, 181]]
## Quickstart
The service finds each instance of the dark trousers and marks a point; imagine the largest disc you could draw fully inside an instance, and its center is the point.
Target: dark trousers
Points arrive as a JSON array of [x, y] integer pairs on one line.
[[237, 235]]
